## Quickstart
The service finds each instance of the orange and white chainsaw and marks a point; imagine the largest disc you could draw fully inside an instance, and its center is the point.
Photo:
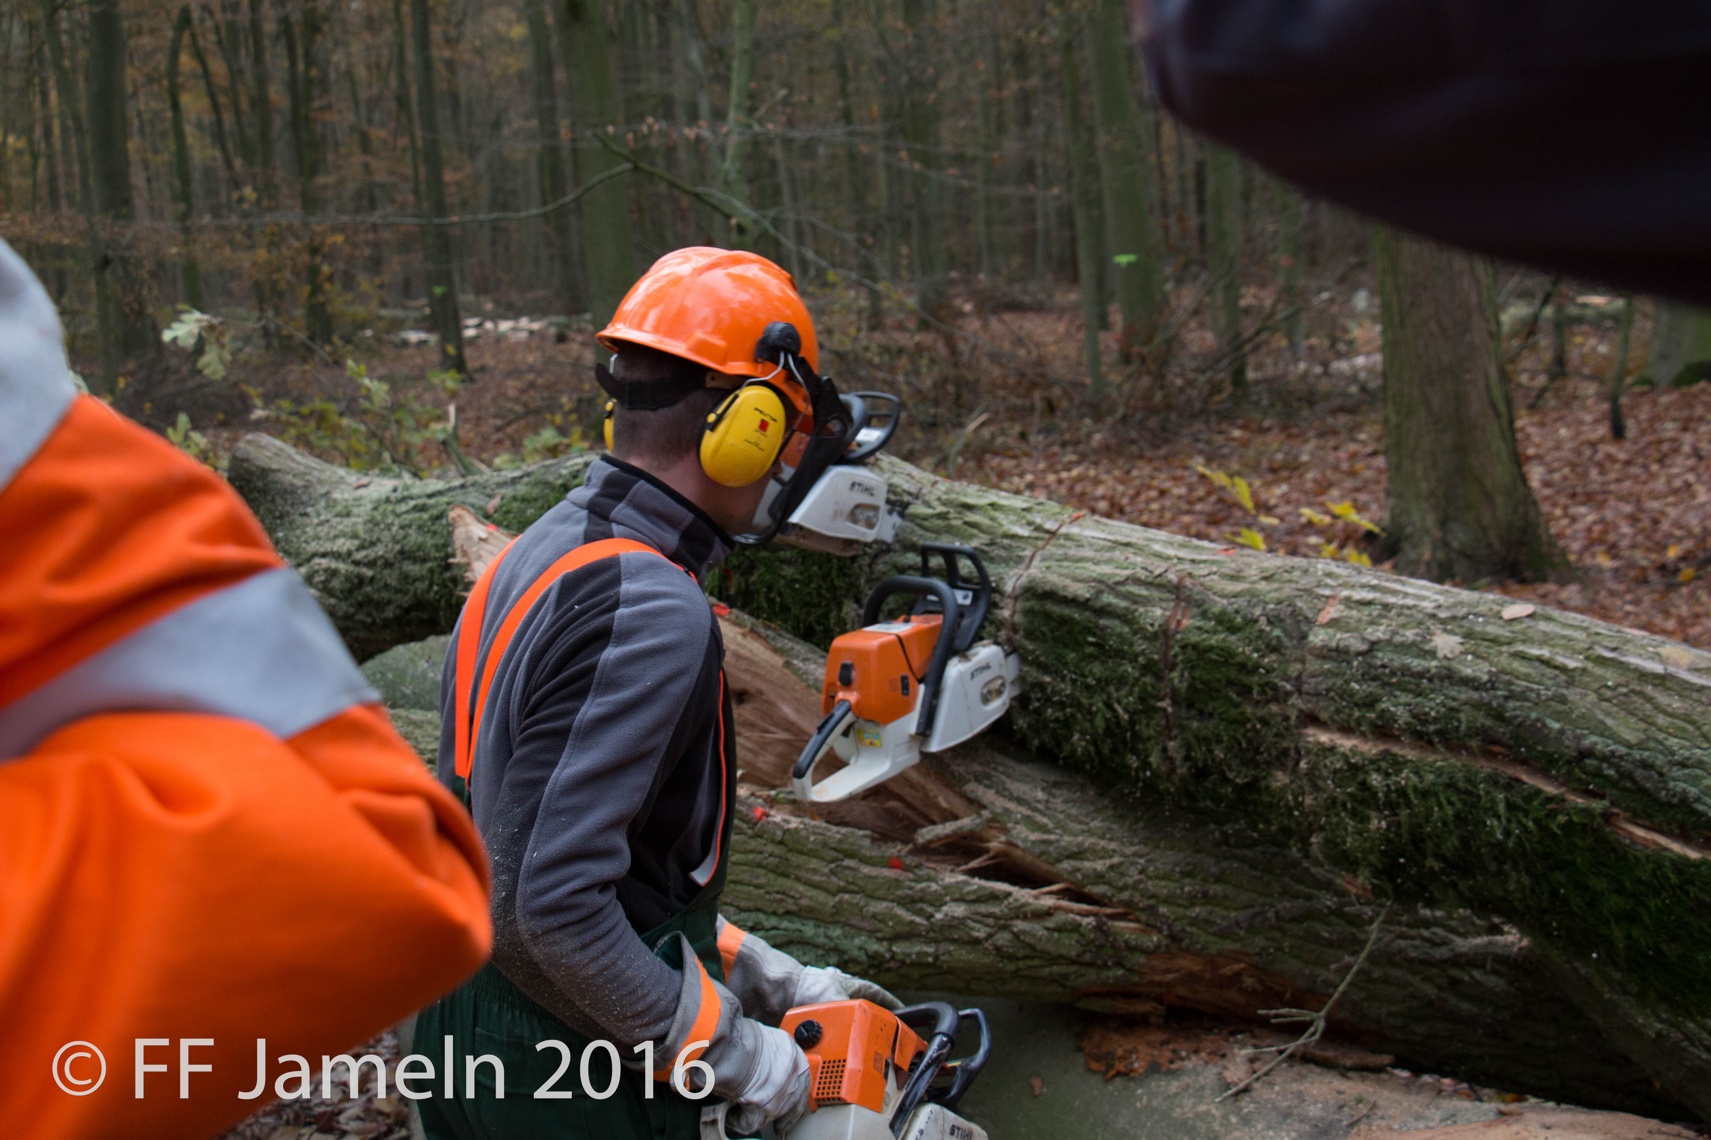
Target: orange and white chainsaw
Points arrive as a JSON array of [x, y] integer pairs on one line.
[[919, 683], [877, 1075]]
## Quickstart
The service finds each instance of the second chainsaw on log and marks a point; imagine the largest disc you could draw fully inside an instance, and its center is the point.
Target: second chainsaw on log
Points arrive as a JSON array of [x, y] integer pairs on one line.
[[919, 683]]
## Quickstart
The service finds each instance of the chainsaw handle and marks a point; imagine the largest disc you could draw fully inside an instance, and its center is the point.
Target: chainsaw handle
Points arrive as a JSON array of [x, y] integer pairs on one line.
[[968, 1067], [939, 1042], [866, 440], [943, 593], [972, 616], [829, 725]]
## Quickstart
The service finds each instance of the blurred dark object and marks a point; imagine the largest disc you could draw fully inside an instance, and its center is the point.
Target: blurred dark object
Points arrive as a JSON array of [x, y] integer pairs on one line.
[[1574, 135]]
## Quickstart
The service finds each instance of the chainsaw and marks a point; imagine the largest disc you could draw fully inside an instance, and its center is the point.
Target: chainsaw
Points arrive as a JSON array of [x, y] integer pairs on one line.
[[846, 507], [874, 1076], [896, 689]]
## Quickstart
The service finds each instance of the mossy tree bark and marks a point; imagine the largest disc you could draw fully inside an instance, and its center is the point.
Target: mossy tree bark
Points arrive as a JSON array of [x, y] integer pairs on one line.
[[1534, 793], [1457, 502]]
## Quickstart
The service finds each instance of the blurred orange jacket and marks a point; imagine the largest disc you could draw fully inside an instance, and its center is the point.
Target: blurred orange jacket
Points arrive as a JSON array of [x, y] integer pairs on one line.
[[209, 831]]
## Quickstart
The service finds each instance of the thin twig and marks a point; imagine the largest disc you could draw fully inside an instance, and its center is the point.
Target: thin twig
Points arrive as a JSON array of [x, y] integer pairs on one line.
[[1316, 1028]]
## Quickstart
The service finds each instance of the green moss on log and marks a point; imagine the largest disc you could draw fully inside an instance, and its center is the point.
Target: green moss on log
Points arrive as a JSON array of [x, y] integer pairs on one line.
[[811, 594]]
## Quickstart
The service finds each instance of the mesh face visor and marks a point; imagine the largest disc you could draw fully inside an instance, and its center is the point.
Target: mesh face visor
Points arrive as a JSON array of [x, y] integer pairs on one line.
[[817, 441]]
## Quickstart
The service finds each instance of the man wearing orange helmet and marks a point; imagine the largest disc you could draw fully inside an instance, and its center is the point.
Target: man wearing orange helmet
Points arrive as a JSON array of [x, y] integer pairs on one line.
[[588, 727]]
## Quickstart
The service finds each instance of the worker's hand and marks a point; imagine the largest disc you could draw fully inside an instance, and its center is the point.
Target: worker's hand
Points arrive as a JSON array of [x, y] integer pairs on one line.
[[770, 982], [827, 983], [764, 1075]]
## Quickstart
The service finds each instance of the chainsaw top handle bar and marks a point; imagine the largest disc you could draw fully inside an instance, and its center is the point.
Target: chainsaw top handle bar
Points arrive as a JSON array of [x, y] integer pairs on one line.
[[973, 613], [943, 593], [943, 1018]]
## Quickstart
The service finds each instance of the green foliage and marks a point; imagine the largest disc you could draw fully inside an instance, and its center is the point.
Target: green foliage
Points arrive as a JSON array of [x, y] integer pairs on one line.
[[548, 443], [193, 443], [388, 427], [207, 336]]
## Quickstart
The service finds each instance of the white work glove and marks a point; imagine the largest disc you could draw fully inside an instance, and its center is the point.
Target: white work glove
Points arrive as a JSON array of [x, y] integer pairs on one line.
[[828, 983], [757, 1068], [770, 982], [771, 1086]]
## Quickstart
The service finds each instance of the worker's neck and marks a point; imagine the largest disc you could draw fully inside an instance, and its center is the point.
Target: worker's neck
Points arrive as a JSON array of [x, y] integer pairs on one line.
[[687, 478]]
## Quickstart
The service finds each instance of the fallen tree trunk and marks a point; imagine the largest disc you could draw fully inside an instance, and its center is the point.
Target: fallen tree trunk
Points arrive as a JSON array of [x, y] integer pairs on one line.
[[377, 551], [1246, 753]]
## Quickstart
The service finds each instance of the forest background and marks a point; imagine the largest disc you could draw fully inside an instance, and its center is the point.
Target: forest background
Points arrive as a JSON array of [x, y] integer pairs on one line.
[[385, 230]]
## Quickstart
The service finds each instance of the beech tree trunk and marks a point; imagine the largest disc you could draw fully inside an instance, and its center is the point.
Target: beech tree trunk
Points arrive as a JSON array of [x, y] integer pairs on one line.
[[1458, 505], [1239, 755]]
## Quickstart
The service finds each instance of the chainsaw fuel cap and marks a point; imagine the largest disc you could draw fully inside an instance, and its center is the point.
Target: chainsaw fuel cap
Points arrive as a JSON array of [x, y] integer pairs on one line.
[[808, 1034]]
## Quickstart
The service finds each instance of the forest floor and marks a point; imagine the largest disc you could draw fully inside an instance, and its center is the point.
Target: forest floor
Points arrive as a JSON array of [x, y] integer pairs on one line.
[[1003, 401]]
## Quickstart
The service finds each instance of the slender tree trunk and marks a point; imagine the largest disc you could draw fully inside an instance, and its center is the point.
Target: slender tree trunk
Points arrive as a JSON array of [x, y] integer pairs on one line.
[[220, 140], [1286, 206], [920, 129], [1084, 187], [557, 225], [1127, 180], [436, 239], [606, 247], [1619, 370], [70, 106], [1458, 505], [122, 311], [733, 172], [191, 272], [1224, 231], [302, 72]]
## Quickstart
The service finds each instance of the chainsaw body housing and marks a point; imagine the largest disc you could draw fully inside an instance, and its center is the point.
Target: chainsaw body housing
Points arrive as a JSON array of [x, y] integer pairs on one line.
[[861, 1059], [918, 683]]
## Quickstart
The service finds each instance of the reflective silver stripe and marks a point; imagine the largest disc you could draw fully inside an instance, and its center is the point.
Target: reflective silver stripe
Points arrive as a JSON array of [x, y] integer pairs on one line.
[[35, 380], [261, 650]]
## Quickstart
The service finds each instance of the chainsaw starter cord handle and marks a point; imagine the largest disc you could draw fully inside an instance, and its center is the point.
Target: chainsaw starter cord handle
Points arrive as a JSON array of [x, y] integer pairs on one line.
[[952, 610]]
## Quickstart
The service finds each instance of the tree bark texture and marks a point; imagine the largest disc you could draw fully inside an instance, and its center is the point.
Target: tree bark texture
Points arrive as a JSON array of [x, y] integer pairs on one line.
[[188, 268], [1458, 505], [1535, 793]]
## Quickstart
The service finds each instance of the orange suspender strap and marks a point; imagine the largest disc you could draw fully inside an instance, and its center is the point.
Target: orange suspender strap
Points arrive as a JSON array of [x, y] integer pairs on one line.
[[468, 723]]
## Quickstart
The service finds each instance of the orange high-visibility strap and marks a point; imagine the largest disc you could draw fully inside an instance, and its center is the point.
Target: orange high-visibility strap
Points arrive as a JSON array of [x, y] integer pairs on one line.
[[469, 635]]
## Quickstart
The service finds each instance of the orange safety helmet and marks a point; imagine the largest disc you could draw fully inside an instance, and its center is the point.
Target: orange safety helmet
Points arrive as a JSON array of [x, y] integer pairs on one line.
[[712, 306]]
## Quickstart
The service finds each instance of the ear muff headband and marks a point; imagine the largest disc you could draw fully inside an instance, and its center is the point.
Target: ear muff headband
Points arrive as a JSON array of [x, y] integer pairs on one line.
[[744, 435]]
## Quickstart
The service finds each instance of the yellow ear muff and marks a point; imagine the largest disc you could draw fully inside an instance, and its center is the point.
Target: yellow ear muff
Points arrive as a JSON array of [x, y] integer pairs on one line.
[[606, 428], [744, 436]]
